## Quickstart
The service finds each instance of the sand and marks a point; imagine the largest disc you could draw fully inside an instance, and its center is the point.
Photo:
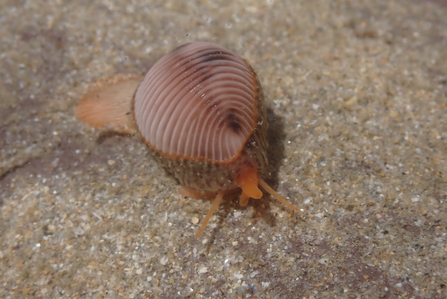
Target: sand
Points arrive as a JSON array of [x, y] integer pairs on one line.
[[357, 98]]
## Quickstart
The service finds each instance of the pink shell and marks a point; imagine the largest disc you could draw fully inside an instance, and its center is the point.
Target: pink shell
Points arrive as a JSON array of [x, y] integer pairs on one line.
[[200, 109]]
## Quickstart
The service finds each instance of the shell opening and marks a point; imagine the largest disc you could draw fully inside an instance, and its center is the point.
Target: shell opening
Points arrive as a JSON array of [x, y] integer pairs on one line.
[[213, 208]]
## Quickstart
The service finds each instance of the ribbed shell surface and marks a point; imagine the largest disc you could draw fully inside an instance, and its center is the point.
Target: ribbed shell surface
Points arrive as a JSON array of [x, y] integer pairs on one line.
[[198, 102]]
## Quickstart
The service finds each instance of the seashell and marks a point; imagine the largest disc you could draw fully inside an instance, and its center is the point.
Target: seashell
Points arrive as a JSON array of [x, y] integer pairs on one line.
[[200, 109]]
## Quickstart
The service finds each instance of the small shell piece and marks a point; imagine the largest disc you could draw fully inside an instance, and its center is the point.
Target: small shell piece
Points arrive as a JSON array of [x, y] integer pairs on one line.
[[200, 109]]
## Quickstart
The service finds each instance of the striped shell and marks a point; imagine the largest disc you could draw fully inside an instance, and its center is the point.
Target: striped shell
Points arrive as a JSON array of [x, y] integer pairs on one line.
[[200, 109]]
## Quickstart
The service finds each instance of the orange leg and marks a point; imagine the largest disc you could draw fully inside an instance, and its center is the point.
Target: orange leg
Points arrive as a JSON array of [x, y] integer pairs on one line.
[[249, 182], [272, 192], [213, 208]]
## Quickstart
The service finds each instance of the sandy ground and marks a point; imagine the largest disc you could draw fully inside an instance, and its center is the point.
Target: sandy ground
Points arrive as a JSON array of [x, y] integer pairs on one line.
[[357, 97]]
